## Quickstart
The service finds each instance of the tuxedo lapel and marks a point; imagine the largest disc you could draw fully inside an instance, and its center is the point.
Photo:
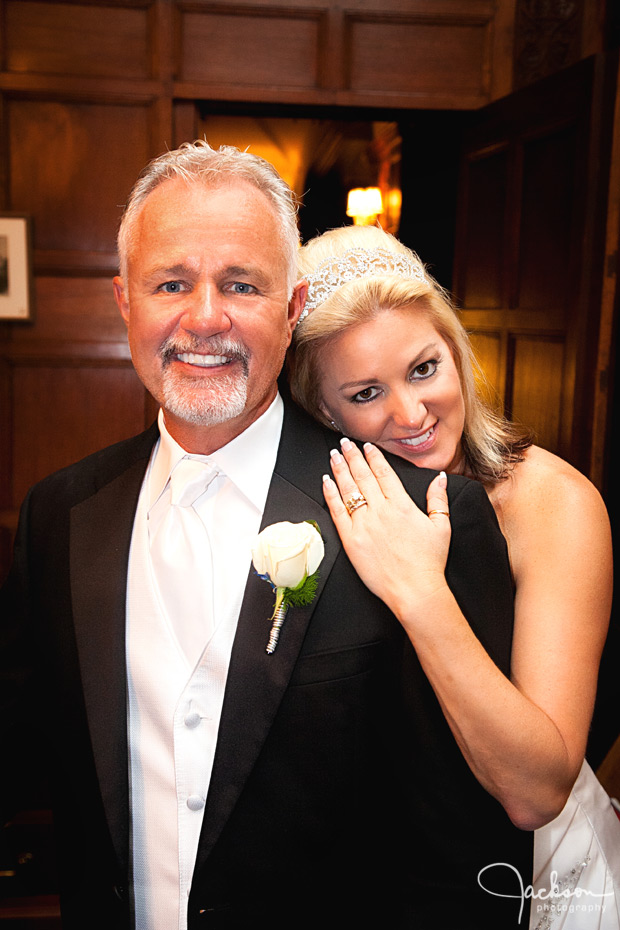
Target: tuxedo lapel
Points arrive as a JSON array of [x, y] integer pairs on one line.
[[257, 681], [101, 528]]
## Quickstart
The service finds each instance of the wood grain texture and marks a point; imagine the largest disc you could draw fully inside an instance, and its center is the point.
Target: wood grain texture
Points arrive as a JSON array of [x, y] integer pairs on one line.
[[76, 39]]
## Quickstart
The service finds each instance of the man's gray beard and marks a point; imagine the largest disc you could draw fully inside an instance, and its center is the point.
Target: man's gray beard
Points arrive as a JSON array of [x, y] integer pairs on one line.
[[208, 404]]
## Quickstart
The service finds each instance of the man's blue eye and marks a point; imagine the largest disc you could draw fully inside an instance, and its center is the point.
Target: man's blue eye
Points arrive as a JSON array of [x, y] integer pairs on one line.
[[240, 287], [172, 287]]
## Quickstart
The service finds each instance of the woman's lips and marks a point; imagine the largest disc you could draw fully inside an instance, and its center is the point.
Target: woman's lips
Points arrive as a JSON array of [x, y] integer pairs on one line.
[[418, 443]]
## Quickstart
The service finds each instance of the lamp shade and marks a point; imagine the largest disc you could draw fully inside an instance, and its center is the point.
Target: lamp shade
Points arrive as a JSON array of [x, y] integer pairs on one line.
[[364, 203]]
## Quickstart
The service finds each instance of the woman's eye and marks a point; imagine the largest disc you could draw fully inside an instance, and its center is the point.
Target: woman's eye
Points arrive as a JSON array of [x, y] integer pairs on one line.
[[425, 370], [367, 394]]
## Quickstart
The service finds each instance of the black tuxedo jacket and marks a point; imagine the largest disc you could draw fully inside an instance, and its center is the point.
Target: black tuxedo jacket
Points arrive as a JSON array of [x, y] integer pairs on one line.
[[338, 797]]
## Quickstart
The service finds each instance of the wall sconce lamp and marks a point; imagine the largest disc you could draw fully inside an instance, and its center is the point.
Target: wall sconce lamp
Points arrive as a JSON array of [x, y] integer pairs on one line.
[[364, 204]]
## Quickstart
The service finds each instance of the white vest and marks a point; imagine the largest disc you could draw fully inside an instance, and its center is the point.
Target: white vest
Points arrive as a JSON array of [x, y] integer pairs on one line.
[[174, 715]]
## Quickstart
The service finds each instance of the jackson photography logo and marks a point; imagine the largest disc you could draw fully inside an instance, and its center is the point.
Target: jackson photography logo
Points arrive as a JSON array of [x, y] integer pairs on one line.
[[562, 895]]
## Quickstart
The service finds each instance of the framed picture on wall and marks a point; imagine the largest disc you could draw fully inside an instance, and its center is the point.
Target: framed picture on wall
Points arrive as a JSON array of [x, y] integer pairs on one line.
[[16, 297]]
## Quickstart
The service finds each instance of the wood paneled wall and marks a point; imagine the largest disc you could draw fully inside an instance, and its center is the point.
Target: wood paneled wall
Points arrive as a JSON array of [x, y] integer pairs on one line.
[[531, 253], [90, 90]]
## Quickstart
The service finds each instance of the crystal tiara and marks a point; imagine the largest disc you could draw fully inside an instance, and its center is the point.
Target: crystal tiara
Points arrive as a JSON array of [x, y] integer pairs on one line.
[[335, 271]]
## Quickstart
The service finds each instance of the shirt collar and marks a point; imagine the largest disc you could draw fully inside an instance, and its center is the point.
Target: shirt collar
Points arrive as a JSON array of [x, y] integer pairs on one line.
[[248, 459]]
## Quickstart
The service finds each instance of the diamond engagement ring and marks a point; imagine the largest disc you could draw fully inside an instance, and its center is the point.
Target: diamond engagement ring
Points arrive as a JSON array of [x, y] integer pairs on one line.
[[356, 500]]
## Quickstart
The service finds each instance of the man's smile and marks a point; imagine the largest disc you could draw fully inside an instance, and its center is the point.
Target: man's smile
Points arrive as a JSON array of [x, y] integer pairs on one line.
[[204, 361]]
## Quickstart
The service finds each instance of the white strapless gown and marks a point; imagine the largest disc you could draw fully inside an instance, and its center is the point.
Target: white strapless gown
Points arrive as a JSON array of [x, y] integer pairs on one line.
[[576, 883]]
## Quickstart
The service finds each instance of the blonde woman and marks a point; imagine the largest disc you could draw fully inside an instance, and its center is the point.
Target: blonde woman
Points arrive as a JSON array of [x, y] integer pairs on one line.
[[381, 357]]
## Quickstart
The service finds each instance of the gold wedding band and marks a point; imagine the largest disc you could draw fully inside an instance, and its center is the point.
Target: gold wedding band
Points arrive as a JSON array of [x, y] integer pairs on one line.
[[446, 513], [355, 501]]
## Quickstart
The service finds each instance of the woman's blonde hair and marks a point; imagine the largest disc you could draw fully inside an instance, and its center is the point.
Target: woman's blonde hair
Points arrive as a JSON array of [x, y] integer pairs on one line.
[[358, 272]]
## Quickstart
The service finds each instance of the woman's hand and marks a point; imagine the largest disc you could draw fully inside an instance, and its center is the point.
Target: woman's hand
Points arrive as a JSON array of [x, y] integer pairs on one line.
[[398, 551]]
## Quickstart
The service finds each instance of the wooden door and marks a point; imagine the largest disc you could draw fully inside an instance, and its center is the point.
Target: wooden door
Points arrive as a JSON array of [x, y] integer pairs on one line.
[[530, 246]]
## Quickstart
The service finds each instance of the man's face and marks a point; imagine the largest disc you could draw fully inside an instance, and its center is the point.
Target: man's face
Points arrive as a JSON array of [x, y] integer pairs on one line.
[[206, 307]]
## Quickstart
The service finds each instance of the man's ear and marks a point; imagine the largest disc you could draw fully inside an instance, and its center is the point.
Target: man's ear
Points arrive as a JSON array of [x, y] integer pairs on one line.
[[121, 298], [296, 304]]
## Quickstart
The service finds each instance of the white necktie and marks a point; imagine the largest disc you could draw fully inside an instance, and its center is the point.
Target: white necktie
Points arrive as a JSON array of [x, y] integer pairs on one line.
[[182, 558]]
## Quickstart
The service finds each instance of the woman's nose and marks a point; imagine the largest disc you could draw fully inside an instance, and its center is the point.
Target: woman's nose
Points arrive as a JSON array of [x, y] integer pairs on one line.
[[408, 409]]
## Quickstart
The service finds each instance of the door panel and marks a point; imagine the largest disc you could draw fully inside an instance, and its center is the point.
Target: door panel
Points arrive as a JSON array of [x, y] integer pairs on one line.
[[525, 254]]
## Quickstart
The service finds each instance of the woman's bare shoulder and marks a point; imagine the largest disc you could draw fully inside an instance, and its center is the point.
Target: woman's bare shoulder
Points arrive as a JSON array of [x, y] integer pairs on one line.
[[545, 495], [544, 479]]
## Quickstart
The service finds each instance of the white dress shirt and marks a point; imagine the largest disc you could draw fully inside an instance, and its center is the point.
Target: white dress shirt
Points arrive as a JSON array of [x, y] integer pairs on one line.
[[174, 705]]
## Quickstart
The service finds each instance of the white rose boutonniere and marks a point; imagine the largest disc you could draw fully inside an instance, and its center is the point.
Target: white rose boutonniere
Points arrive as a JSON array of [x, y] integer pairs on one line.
[[287, 555]]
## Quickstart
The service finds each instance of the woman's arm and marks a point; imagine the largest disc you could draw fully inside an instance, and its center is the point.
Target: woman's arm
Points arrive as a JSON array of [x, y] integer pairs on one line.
[[524, 739]]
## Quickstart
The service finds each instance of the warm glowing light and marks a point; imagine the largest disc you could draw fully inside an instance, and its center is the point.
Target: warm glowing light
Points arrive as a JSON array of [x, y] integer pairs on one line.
[[364, 204], [395, 200]]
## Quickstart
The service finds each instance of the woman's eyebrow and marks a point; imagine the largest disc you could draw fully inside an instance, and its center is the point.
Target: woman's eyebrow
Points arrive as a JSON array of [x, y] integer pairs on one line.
[[365, 381]]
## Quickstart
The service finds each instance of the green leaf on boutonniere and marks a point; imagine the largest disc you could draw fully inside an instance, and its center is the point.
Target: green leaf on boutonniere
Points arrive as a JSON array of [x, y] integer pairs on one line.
[[304, 593]]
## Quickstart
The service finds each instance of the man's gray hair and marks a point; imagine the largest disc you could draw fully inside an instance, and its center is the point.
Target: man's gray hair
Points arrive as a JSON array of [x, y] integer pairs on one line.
[[197, 161]]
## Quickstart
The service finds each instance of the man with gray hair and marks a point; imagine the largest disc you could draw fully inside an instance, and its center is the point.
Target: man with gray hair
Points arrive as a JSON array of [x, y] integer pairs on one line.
[[200, 779]]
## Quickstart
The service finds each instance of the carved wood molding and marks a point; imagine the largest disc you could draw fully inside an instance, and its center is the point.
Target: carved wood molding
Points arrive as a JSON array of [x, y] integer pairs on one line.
[[548, 37]]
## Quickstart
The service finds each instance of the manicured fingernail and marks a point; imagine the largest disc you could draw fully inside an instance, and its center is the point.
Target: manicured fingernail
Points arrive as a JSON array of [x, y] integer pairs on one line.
[[368, 447], [346, 444], [335, 456], [443, 479], [327, 479]]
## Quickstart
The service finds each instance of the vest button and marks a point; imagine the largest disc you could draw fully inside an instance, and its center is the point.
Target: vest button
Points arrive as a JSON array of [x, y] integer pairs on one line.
[[195, 802]]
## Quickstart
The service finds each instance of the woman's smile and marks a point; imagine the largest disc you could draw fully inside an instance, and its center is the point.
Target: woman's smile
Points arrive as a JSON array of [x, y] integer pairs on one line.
[[422, 442]]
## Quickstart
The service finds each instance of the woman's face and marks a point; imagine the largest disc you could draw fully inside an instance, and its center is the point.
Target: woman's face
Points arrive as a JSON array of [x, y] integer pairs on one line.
[[393, 381]]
